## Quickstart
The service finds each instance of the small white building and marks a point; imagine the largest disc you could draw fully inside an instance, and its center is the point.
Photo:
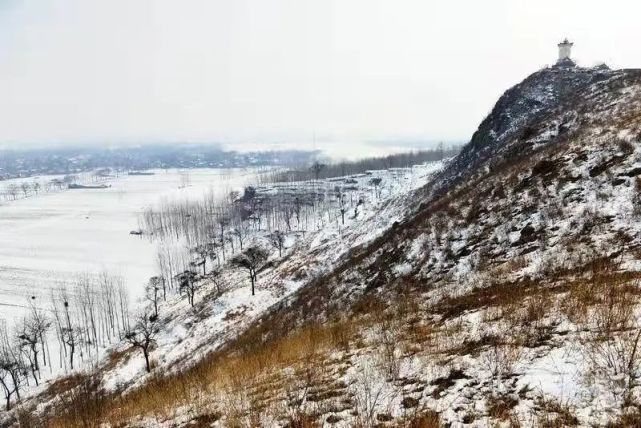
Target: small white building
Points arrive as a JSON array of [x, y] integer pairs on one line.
[[565, 50]]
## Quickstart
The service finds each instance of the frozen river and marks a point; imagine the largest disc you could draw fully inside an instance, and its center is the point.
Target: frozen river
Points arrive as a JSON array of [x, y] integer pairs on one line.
[[47, 241]]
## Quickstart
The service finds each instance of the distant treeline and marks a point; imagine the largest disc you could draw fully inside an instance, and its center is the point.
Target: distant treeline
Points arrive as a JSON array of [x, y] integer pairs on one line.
[[68, 160], [319, 170]]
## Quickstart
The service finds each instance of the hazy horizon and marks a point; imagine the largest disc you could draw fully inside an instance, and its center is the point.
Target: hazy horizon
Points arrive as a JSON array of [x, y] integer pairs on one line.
[[295, 73], [333, 151]]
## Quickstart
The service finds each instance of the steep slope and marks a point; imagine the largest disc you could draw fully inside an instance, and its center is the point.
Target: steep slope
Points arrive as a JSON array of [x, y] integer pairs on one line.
[[506, 293], [533, 230], [224, 305], [562, 142], [540, 110]]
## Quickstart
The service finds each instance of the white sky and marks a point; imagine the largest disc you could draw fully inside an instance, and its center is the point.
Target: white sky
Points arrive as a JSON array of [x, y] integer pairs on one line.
[[254, 72]]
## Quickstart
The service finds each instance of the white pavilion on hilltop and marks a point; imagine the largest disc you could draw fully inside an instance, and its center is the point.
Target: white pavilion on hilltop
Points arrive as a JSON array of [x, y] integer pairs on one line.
[[565, 51]]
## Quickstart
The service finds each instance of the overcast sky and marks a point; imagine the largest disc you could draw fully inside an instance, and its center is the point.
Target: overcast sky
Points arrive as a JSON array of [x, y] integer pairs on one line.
[[256, 72]]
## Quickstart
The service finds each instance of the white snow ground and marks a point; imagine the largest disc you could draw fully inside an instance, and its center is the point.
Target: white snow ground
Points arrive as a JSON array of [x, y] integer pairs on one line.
[[190, 334], [87, 231], [48, 240]]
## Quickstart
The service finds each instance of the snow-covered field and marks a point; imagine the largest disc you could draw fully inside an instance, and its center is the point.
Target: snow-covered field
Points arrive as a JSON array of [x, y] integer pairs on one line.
[[87, 231], [47, 241], [189, 334]]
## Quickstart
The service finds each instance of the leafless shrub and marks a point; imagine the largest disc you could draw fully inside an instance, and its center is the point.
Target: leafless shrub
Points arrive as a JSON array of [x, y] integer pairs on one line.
[[449, 337], [586, 293], [370, 395], [529, 319], [502, 358], [389, 354], [83, 406], [299, 386], [517, 263], [612, 345]]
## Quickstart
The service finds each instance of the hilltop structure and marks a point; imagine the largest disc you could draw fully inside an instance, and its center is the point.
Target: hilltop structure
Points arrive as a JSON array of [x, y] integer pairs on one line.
[[565, 51]]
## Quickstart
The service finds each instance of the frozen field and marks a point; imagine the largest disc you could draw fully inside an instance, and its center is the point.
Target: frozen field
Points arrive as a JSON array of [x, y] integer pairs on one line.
[[48, 240]]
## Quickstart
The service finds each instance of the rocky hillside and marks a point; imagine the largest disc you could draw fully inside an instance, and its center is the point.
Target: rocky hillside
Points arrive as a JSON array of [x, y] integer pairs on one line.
[[548, 179], [507, 292], [542, 109], [521, 260]]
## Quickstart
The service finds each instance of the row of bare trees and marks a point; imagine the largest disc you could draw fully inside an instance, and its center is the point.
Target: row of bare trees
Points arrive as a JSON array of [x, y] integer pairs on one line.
[[214, 228], [197, 239], [14, 189], [320, 170], [76, 321]]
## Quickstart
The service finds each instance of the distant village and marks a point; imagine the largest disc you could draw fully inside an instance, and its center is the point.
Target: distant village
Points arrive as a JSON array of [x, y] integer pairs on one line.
[[69, 161]]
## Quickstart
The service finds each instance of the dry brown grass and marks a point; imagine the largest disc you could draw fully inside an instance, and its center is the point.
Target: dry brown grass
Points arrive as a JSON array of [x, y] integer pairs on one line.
[[554, 414], [250, 373], [250, 377], [426, 419], [498, 294], [243, 384], [500, 406], [603, 285]]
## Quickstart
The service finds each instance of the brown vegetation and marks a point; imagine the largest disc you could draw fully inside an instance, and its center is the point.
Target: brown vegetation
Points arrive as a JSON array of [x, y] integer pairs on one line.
[[291, 379]]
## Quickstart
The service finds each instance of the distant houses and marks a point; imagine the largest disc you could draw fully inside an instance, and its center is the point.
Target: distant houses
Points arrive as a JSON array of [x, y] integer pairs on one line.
[[74, 186]]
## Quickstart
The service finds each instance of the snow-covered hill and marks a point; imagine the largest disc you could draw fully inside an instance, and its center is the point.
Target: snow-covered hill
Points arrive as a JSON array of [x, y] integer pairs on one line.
[[224, 307], [514, 256], [502, 292]]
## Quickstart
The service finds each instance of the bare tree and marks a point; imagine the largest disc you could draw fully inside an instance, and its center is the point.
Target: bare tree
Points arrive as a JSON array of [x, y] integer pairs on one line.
[[288, 214], [70, 335], [376, 182], [253, 259], [223, 222], [123, 303], [142, 335], [188, 283], [440, 151], [240, 232], [25, 187], [185, 179], [213, 252], [317, 168], [70, 179], [152, 291], [277, 239], [12, 189], [30, 333], [342, 205], [12, 371], [203, 251], [88, 303], [216, 277]]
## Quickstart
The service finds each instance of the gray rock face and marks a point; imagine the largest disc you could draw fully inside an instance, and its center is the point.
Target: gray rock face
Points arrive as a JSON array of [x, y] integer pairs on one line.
[[542, 109]]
